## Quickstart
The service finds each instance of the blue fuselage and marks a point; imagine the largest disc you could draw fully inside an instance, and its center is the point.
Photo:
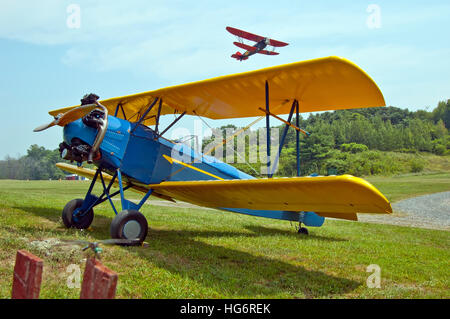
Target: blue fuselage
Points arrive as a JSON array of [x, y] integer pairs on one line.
[[139, 154], [143, 156]]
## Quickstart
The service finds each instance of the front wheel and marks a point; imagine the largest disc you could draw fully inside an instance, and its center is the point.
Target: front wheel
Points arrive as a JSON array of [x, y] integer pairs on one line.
[[79, 220], [129, 224]]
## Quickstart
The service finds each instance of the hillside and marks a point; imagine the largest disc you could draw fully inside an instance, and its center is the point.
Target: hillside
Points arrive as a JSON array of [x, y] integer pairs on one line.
[[361, 142], [373, 141]]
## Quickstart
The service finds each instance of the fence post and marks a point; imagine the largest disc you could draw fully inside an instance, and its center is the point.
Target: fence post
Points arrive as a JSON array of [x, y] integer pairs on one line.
[[27, 276], [99, 282]]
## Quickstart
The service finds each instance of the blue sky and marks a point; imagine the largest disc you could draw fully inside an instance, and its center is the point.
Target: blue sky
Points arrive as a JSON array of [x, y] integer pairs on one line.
[[125, 47]]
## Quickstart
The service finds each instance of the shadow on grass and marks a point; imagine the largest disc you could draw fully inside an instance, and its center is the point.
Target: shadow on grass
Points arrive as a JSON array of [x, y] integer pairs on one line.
[[264, 231], [235, 273], [231, 272], [54, 215]]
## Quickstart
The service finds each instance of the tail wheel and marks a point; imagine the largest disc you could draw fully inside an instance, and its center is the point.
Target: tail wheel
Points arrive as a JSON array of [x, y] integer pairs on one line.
[[80, 221], [129, 224]]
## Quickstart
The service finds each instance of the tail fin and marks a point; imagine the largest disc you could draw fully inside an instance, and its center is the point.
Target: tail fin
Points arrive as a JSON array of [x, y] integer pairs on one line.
[[238, 56]]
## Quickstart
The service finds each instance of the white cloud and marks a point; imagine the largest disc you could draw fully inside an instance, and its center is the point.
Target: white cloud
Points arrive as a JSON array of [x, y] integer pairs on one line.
[[45, 21], [187, 41]]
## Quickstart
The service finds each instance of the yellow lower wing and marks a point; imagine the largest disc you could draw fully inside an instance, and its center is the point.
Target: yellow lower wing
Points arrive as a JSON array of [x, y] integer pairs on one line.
[[329, 195]]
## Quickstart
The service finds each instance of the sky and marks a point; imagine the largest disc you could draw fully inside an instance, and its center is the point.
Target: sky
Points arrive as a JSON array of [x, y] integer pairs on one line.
[[55, 51]]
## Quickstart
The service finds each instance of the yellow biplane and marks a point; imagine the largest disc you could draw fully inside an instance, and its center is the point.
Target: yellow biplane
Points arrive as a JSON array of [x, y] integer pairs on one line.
[[122, 137]]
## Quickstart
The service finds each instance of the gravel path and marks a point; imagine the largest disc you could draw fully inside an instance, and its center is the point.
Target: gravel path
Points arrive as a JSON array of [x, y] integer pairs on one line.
[[427, 211]]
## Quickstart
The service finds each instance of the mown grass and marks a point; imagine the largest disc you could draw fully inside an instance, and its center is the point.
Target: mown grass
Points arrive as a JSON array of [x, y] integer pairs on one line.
[[200, 253], [400, 187]]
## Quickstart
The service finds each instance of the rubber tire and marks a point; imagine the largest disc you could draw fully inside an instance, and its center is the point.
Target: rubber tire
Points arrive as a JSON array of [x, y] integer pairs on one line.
[[118, 223], [303, 231], [67, 214]]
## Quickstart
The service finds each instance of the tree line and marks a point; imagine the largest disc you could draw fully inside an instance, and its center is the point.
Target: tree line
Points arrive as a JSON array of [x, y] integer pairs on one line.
[[370, 141], [38, 163]]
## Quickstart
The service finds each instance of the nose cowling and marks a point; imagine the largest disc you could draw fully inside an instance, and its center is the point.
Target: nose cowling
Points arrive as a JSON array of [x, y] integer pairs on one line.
[[78, 151], [80, 138]]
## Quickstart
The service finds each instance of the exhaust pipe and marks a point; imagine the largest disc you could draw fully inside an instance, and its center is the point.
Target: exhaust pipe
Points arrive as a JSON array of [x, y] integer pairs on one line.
[[100, 135]]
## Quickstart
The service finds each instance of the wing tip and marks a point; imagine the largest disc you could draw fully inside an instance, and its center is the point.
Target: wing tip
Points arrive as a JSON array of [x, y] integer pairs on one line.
[[380, 101]]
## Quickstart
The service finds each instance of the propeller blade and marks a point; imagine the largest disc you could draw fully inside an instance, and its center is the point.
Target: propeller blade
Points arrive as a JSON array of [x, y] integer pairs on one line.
[[68, 117], [75, 114], [44, 126]]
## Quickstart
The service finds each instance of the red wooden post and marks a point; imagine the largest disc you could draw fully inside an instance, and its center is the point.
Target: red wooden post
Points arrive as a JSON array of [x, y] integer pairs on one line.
[[27, 276], [99, 282]]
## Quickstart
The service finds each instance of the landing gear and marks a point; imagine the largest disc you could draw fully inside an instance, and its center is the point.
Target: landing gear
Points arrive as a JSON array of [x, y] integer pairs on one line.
[[129, 224], [74, 216], [302, 230]]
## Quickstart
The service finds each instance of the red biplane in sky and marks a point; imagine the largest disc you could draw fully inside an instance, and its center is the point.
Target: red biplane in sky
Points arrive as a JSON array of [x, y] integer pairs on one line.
[[261, 44]]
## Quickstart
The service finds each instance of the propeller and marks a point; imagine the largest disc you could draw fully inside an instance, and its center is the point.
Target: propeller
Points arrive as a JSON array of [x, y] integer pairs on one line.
[[88, 104], [94, 246], [65, 118]]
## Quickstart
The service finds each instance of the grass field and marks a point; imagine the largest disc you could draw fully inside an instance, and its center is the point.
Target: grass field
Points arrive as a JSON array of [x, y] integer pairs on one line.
[[404, 186], [200, 253]]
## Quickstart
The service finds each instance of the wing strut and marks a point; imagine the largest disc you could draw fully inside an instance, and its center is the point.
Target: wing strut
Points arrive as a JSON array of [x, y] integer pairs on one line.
[[288, 122], [283, 137], [142, 118], [268, 128], [173, 123], [297, 139], [120, 106], [158, 116]]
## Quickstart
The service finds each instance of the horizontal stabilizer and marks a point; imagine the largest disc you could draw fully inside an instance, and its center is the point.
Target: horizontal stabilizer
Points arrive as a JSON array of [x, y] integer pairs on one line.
[[349, 216], [238, 56]]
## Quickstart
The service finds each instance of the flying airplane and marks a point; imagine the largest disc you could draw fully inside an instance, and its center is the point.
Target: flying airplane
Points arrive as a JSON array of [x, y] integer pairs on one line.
[[121, 136], [261, 44]]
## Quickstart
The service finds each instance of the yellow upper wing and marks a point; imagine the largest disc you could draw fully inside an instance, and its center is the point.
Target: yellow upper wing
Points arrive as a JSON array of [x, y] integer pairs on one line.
[[330, 83], [334, 195]]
